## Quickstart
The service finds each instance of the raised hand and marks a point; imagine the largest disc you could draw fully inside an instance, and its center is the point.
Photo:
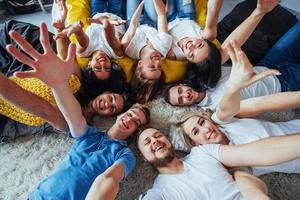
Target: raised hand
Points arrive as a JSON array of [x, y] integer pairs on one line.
[[242, 73], [265, 6], [160, 7], [59, 14], [76, 27], [47, 67]]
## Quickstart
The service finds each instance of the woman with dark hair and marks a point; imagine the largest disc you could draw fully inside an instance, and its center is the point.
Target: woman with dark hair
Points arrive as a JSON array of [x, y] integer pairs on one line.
[[206, 59]]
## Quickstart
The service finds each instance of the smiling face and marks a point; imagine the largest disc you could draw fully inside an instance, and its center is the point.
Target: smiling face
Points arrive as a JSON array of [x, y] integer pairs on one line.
[[202, 131], [182, 95], [155, 147], [151, 66], [101, 65], [128, 122], [108, 104], [195, 50]]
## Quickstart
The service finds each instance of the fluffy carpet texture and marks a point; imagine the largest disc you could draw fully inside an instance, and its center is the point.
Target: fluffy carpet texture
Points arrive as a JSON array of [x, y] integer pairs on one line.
[[26, 161]]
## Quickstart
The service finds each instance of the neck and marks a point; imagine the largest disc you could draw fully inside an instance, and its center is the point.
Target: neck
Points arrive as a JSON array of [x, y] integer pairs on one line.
[[201, 96], [115, 133], [174, 167]]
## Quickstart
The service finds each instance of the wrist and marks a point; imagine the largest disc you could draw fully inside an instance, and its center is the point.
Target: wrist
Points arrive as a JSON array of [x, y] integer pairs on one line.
[[259, 12]]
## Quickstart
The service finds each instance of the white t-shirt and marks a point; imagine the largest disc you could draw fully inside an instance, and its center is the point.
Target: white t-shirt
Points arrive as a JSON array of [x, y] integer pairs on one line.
[[266, 86], [204, 178], [97, 40], [242, 131], [160, 41], [181, 28]]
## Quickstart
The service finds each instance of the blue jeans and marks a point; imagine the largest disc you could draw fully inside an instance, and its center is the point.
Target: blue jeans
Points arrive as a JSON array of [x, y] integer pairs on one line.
[[116, 7], [176, 8], [285, 57]]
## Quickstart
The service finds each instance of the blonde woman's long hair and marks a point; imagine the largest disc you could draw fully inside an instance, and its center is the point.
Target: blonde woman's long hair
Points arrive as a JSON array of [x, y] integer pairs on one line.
[[177, 125]]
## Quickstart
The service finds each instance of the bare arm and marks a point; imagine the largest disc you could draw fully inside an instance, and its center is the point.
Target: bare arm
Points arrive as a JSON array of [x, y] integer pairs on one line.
[[132, 26], [271, 103], [241, 76], [161, 10], [250, 186], [62, 43], [55, 73], [261, 153], [31, 103], [110, 35], [245, 29], [106, 185], [213, 10]]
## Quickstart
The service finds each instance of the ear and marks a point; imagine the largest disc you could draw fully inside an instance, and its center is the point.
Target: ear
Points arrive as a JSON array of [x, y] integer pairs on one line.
[[139, 65]]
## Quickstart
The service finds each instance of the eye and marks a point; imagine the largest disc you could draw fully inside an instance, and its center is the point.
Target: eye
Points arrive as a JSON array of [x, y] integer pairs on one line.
[[201, 122], [129, 114], [195, 132]]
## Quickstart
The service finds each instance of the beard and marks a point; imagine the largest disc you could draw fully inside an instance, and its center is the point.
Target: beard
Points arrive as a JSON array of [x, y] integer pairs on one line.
[[162, 162]]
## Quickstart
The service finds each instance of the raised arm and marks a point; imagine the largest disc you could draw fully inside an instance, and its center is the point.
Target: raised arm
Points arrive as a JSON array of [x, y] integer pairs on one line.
[[132, 26], [106, 185], [161, 10], [245, 29], [241, 76], [59, 15], [282, 101], [110, 35], [250, 186], [213, 10], [55, 73], [265, 152], [31, 103]]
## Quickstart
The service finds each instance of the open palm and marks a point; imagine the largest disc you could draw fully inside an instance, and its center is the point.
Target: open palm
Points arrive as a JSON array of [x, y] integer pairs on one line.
[[47, 67], [242, 73]]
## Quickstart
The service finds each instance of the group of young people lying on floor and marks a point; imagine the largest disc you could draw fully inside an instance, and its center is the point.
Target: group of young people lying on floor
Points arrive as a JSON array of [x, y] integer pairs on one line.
[[98, 161]]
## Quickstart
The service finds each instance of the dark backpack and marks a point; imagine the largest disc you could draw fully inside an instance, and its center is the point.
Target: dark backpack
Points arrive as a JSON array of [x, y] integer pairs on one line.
[[20, 6]]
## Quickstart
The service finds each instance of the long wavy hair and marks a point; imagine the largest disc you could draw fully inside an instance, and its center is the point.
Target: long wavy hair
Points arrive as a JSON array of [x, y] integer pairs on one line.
[[142, 89]]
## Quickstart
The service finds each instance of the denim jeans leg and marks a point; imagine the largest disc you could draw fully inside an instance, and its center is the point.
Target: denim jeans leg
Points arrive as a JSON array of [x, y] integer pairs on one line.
[[151, 15], [98, 6], [185, 9], [285, 56], [117, 7], [286, 49], [131, 6]]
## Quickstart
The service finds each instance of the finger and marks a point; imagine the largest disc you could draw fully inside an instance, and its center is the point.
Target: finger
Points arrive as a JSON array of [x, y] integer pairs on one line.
[[20, 56], [71, 52], [25, 46], [44, 38], [264, 74], [231, 53], [26, 74], [243, 58]]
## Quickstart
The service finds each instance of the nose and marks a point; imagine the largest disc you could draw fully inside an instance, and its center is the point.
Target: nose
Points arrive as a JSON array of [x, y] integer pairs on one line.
[[205, 130]]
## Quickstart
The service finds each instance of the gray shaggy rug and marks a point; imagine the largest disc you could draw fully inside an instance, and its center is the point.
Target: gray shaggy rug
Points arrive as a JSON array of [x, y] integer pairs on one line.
[[24, 162]]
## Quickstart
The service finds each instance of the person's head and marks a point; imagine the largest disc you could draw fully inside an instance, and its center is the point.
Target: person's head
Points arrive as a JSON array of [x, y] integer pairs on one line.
[[130, 121], [144, 89], [197, 50], [206, 73], [197, 128], [100, 64], [150, 65], [108, 104], [182, 95], [155, 147]]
